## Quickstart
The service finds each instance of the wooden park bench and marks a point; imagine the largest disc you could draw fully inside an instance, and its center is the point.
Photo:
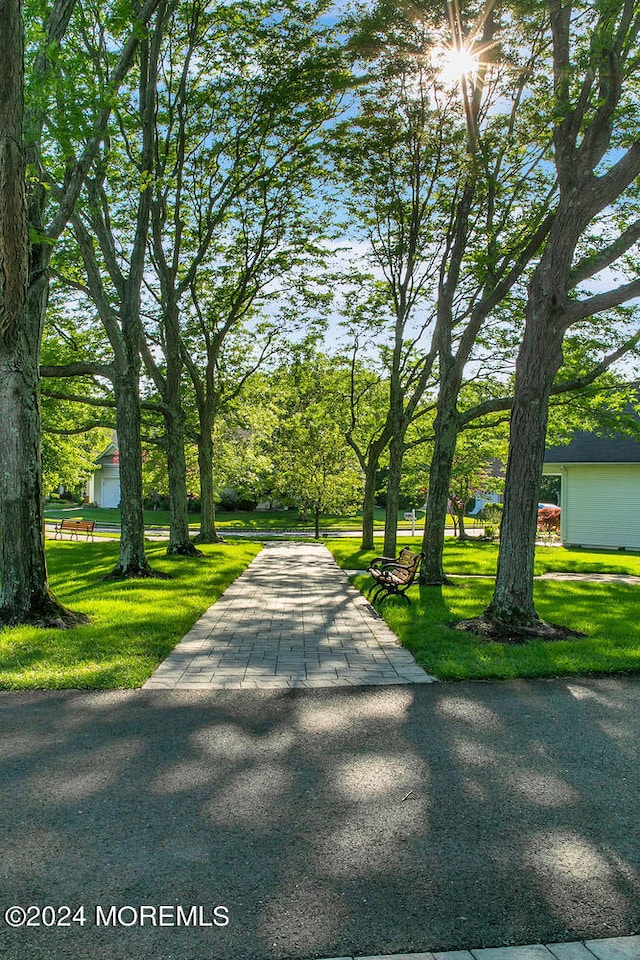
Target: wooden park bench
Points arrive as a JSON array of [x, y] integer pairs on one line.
[[394, 575], [74, 528]]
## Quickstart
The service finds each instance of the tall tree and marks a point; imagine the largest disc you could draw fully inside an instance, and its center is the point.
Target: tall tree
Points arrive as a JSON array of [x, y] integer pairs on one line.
[[595, 54], [365, 421], [498, 220], [43, 210], [470, 239], [25, 591], [313, 466], [114, 280], [240, 115], [391, 161]]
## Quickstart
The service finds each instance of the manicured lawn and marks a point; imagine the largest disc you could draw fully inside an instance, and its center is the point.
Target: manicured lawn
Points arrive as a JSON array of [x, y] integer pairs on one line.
[[606, 612], [135, 624], [479, 558], [240, 520], [108, 516]]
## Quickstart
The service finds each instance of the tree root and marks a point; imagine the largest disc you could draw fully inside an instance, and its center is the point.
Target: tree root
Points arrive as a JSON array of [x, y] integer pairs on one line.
[[184, 550], [497, 631], [49, 614], [135, 573], [438, 581]]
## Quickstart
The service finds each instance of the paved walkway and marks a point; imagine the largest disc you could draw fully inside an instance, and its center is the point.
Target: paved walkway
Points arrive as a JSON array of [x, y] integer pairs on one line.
[[292, 619], [591, 577], [615, 948]]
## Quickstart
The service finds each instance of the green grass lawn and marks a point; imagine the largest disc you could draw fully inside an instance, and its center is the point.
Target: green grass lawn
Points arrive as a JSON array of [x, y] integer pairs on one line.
[[135, 624], [107, 516], [479, 558], [239, 520], [606, 612]]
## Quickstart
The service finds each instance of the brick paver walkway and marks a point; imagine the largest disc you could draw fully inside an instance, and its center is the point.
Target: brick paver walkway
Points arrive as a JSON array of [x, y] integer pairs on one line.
[[292, 619], [616, 948]]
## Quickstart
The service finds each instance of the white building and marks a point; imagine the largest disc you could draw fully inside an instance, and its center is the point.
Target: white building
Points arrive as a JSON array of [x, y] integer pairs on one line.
[[600, 491], [103, 487]]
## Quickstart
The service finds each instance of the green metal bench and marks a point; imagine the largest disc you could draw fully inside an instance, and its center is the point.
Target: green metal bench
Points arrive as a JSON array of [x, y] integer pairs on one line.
[[394, 575]]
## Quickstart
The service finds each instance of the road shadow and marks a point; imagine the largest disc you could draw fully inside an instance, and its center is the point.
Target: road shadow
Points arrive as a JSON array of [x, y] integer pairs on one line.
[[328, 822]]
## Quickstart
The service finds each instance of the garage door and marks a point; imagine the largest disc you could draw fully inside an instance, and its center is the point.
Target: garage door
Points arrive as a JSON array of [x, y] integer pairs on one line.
[[110, 492]]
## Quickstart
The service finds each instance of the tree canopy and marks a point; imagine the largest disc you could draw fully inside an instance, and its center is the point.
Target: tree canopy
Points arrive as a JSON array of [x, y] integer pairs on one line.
[[293, 253]]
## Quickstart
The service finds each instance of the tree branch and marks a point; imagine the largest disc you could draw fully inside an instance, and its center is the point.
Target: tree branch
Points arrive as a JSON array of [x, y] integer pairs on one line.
[[91, 425], [73, 398], [156, 407], [607, 188], [577, 383], [152, 366], [83, 165], [582, 309], [589, 266], [78, 369]]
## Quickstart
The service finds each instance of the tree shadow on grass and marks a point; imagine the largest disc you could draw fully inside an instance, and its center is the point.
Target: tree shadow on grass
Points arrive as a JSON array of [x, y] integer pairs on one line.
[[604, 612]]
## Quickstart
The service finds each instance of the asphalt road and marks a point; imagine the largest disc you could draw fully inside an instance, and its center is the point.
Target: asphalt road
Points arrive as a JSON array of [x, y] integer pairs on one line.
[[328, 822]]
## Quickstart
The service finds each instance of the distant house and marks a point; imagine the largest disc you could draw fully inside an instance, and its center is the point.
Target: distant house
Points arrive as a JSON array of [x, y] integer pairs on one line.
[[600, 490], [486, 498], [103, 488]]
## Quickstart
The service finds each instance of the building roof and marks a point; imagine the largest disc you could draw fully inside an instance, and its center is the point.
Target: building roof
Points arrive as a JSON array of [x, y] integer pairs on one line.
[[590, 448], [109, 455]]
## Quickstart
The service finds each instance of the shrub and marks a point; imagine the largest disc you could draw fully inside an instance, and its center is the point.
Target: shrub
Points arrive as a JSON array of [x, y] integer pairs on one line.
[[230, 502], [491, 513]]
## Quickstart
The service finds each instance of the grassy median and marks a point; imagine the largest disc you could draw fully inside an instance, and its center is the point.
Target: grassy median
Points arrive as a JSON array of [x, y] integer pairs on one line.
[[134, 624]]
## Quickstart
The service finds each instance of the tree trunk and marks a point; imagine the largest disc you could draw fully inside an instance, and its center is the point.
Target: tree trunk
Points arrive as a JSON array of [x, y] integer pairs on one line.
[[317, 521], [132, 561], [446, 435], [396, 456], [369, 461], [368, 504], [179, 540], [539, 360], [24, 577], [208, 532], [25, 596]]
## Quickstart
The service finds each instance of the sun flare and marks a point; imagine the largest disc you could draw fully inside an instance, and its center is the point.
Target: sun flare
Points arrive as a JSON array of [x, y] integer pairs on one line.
[[458, 62]]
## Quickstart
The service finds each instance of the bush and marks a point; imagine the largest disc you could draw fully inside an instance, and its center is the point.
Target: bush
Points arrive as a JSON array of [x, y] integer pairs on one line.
[[405, 501], [491, 513], [228, 503], [70, 497]]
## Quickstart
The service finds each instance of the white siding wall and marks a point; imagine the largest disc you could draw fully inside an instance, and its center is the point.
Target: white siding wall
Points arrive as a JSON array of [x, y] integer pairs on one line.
[[601, 505], [107, 486], [97, 487]]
